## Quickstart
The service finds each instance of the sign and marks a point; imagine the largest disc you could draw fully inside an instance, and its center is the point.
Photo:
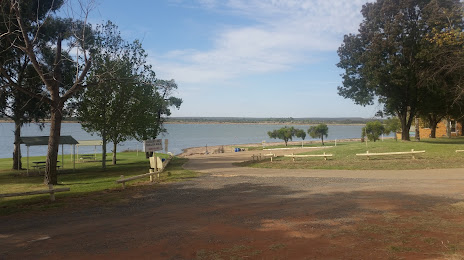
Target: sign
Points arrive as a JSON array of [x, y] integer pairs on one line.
[[152, 145]]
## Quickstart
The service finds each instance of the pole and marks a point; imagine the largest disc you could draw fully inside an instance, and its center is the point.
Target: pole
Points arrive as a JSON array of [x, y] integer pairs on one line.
[[74, 158], [365, 133], [62, 156], [27, 159]]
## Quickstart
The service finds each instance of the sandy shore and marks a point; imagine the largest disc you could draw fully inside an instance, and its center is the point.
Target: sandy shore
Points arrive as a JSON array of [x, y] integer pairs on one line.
[[231, 148]]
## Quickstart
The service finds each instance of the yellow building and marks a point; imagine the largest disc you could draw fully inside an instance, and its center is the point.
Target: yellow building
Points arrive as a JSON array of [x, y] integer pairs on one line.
[[456, 129], [425, 130]]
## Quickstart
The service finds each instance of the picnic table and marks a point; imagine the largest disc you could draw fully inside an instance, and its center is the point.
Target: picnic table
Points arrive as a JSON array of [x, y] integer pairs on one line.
[[87, 157], [41, 165]]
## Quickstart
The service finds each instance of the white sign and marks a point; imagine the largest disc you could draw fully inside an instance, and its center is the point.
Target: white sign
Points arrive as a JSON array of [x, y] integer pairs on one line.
[[153, 145]]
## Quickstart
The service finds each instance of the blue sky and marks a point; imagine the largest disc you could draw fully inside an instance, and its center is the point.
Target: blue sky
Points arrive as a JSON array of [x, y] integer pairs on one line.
[[244, 58]]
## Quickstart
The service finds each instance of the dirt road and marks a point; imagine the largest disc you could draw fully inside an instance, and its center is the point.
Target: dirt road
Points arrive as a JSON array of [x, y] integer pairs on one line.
[[243, 213]]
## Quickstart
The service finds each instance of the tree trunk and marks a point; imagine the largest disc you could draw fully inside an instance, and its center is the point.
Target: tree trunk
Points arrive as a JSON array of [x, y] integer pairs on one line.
[[104, 151], [114, 152], [433, 131], [417, 135], [322, 138], [405, 126], [17, 164], [53, 144]]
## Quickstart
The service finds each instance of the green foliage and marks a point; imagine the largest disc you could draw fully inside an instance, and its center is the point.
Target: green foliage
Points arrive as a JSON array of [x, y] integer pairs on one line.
[[373, 130], [391, 57], [300, 134], [319, 131], [128, 102], [392, 125], [284, 133]]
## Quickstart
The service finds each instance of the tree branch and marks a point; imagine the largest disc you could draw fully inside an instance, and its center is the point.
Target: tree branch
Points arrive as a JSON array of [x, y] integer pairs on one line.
[[28, 47], [77, 85], [20, 88]]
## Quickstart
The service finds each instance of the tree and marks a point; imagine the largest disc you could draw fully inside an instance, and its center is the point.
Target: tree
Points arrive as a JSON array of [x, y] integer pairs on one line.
[[67, 33], [373, 130], [300, 134], [17, 106], [319, 131], [128, 101], [284, 133], [388, 58], [16, 70], [392, 125]]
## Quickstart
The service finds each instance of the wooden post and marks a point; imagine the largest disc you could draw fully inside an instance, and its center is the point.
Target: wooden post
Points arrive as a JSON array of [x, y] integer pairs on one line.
[[367, 152], [124, 183], [52, 193], [271, 158], [413, 157], [325, 157], [293, 158], [28, 160]]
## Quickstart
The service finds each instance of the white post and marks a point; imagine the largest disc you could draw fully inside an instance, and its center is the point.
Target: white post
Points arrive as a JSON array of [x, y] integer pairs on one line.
[[95, 153], [74, 157], [62, 156], [77, 152], [27, 159], [365, 133], [335, 142]]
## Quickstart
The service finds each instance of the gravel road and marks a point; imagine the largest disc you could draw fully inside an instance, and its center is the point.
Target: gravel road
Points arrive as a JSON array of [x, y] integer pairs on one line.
[[245, 213]]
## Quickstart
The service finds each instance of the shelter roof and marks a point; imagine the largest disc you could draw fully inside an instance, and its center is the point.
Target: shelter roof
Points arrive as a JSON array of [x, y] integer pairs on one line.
[[43, 140], [90, 142]]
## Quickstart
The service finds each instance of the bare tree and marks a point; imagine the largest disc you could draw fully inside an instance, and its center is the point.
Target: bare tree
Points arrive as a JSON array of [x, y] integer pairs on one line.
[[69, 43]]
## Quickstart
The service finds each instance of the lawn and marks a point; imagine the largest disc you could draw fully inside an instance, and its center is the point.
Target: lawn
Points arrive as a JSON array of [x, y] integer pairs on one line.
[[88, 182], [440, 153]]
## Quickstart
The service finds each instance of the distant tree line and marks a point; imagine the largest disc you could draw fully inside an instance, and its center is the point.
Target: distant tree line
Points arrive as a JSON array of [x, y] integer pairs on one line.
[[238, 120]]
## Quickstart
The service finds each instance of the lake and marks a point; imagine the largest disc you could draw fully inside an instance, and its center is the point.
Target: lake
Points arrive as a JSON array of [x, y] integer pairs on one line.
[[180, 136]]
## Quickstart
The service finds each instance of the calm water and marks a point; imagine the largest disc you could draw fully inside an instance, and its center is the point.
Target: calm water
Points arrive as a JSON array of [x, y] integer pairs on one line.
[[180, 136]]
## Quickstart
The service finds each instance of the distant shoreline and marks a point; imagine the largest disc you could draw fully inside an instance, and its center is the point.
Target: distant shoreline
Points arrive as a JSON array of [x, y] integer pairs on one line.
[[254, 123], [212, 123]]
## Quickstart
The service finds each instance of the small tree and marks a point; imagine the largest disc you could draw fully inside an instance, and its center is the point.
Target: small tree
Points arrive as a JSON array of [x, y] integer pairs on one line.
[[284, 133], [373, 130], [392, 125], [300, 134], [319, 131]]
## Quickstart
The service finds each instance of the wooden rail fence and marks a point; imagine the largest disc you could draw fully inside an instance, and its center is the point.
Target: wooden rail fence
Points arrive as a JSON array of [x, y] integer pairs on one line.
[[50, 190]]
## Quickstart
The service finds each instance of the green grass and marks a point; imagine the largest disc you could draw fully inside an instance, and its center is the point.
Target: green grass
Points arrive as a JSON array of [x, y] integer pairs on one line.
[[88, 182], [440, 153]]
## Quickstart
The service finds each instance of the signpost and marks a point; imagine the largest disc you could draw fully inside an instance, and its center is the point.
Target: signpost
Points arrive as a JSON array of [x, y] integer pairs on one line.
[[152, 145]]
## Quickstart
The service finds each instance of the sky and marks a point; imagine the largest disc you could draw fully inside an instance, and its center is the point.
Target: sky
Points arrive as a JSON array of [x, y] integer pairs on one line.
[[244, 58]]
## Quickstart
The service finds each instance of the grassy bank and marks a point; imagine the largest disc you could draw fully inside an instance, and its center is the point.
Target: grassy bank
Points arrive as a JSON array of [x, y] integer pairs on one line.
[[89, 183], [440, 153]]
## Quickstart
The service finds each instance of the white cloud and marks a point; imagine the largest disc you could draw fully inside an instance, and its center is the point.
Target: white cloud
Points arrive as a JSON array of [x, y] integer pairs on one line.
[[285, 34]]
